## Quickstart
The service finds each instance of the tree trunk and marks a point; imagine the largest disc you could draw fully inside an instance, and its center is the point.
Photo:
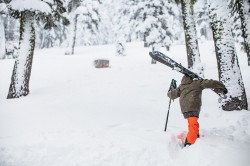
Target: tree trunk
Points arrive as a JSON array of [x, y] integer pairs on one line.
[[228, 66], [145, 35], [2, 38], [22, 69], [244, 9], [72, 36], [153, 61], [193, 54]]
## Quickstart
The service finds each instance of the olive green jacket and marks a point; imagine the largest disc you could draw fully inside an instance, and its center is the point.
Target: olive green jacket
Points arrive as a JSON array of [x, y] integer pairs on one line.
[[190, 92]]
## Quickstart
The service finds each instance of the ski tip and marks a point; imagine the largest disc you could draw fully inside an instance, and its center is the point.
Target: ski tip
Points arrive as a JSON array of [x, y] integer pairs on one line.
[[154, 53], [151, 54]]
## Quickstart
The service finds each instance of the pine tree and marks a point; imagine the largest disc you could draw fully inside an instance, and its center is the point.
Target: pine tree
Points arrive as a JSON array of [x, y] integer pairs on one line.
[[149, 20], [123, 25], [3, 11], [28, 11], [121, 14], [11, 27], [89, 22], [192, 48], [107, 32], [120, 49], [157, 24], [72, 6], [46, 38], [242, 7], [88, 11], [228, 66], [202, 20]]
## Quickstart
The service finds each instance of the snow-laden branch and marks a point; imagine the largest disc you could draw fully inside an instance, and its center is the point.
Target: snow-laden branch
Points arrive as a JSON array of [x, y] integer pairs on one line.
[[34, 5]]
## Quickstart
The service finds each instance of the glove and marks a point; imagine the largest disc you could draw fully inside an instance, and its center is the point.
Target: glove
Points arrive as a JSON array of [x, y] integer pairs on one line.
[[225, 91], [220, 90], [173, 85]]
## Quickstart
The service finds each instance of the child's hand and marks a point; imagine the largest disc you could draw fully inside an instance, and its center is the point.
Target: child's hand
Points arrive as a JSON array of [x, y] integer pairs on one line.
[[225, 91], [221, 91]]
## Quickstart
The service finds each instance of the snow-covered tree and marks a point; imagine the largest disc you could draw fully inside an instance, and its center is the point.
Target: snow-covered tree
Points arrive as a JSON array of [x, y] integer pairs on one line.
[[228, 66], [157, 21], [149, 20], [3, 11], [242, 7], [106, 31], [192, 48], [89, 21], [11, 36], [202, 20], [120, 19], [236, 29], [71, 37], [120, 48], [46, 38], [88, 12], [123, 12], [28, 11], [120, 15]]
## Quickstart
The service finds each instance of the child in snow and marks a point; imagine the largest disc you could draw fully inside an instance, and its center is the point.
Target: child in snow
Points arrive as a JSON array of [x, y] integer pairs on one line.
[[190, 92]]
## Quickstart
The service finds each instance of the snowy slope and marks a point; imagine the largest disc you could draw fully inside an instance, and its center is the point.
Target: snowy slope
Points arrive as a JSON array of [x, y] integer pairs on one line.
[[79, 115]]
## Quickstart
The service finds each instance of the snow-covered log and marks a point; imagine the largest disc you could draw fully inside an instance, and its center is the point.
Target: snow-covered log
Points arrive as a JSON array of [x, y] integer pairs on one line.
[[101, 63]]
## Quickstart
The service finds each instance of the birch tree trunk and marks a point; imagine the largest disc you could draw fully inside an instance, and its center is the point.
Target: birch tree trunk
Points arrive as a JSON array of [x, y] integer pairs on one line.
[[244, 13], [193, 54], [22, 69], [2, 39], [228, 66]]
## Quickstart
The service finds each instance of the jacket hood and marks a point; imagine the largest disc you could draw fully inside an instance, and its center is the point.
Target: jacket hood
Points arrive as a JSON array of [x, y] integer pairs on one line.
[[186, 80]]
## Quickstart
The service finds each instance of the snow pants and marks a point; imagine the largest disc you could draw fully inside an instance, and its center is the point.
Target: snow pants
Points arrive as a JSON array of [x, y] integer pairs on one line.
[[193, 129]]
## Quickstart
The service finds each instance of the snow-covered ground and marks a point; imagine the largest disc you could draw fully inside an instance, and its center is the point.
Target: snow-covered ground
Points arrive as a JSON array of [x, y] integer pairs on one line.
[[77, 115]]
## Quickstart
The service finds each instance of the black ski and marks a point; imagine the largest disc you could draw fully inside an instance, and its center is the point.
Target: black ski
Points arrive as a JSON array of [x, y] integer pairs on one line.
[[164, 59], [160, 57]]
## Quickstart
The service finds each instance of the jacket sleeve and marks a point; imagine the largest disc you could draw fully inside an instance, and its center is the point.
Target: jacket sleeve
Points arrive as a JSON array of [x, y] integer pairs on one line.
[[213, 84], [173, 94]]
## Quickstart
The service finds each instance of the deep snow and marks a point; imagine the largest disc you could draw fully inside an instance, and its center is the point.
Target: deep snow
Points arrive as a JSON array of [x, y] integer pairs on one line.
[[79, 115]]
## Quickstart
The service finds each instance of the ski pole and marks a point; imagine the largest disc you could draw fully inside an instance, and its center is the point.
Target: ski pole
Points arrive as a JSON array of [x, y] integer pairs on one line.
[[166, 124], [172, 86]]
